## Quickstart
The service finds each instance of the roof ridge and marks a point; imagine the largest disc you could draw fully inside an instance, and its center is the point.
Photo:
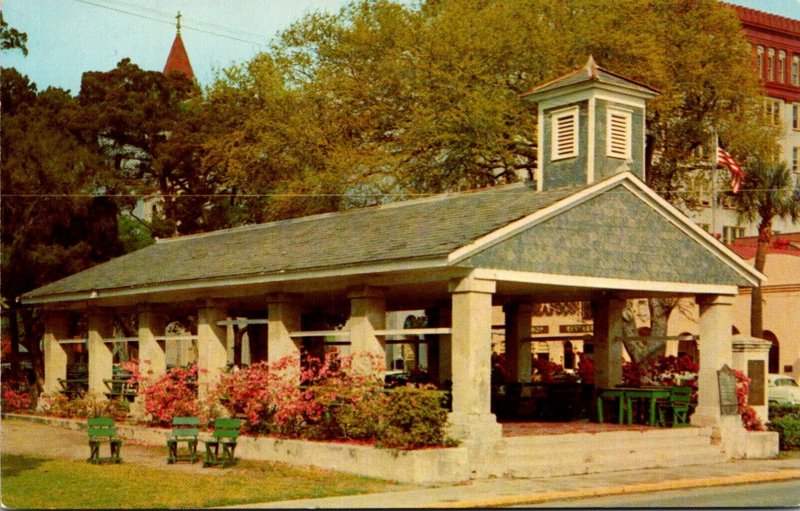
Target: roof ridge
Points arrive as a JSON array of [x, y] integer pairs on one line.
[[376, 207]]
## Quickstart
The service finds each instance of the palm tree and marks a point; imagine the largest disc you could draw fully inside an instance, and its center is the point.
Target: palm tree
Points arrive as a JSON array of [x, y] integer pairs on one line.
[[768, 193]]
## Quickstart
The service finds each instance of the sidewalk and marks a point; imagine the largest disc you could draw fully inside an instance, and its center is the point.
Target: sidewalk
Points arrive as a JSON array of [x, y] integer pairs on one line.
[[503, 492]]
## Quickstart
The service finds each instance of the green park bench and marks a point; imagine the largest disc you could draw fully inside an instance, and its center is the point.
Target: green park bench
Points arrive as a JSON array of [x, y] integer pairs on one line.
[[102, 430], [184, 429], [226, 432]]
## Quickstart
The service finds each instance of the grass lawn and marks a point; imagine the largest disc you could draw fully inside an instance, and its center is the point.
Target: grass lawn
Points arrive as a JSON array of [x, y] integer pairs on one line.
[[31, 482]]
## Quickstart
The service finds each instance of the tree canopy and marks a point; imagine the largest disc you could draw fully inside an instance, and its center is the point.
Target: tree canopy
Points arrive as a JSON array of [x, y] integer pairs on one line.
[[382, 100]]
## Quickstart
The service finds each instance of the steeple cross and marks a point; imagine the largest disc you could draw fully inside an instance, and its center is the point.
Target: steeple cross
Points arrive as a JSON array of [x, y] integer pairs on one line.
[[178, 17]]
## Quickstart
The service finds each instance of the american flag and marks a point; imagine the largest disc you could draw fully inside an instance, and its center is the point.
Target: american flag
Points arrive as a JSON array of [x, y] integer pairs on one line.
[[737, 175]]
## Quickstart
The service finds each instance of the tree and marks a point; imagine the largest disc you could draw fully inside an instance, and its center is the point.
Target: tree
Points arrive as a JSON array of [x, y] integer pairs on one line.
[[382, 100], [56, 220], [151, 128], [768, 192], [11, 38]]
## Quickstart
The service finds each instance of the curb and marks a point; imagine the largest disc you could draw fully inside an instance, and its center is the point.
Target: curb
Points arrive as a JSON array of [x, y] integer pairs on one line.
[[603, 491]]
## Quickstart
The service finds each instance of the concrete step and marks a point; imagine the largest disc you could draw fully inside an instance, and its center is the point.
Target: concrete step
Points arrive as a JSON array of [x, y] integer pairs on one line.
[[574, 459], [658, 436]]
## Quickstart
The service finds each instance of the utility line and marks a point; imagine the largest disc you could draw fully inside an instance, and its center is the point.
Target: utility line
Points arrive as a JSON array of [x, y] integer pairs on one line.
[[363, 194], [169, 22]]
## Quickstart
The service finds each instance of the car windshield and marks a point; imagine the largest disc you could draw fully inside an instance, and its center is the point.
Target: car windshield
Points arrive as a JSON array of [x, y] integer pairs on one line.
[[786, 382]]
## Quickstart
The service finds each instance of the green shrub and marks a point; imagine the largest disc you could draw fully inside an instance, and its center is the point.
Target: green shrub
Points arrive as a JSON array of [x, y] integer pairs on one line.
[[779, 411], [414, 418], [788, 428]]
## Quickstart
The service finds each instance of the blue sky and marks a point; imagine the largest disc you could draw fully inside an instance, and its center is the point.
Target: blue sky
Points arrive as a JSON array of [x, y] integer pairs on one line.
[[68, 37]]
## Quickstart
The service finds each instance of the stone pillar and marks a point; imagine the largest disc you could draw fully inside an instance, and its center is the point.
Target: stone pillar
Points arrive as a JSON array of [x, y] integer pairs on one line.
[[751, 356], [101, 359], [284, 317], [518, 341], [56, 327], [471, 360], [211, 346], [152, 358], [367, 314], [715, 346], [608, 331]]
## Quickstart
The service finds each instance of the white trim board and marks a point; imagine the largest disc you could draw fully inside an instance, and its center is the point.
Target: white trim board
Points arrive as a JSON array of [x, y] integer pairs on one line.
[[604, 283]]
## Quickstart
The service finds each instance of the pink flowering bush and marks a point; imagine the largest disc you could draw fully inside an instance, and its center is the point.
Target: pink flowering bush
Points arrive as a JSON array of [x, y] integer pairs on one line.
[[750, 419], [15, 397], [172, 395]]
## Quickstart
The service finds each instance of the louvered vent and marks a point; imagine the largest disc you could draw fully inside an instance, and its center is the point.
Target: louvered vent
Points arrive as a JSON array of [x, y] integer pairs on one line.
[[619, 134], [565, 134]]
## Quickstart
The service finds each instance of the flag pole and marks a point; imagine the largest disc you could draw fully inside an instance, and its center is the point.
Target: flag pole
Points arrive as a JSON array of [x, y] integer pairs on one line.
[[714, 186]]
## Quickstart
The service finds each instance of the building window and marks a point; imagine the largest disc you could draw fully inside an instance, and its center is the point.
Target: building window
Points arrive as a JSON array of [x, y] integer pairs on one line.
[[705, 227], [701, 189], [796, 70], [565, 133], [730, 233], [771, 65], [760, 57], [796, 116], [618, 133], [796, 160], [772, 111], [781, 65]]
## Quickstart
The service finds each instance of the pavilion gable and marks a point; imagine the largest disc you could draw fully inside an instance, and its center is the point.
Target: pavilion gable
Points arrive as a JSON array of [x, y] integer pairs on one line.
[[613, 234]]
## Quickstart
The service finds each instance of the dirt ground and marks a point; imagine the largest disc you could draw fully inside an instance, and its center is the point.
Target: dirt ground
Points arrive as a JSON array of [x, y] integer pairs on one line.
[[26, 438]]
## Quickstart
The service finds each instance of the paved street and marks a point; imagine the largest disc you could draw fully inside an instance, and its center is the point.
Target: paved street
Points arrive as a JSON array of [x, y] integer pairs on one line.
[[750, 496]]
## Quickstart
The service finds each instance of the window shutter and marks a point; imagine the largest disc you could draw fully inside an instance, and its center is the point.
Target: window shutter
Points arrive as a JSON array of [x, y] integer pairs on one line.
[[565, 134], [619, 134]]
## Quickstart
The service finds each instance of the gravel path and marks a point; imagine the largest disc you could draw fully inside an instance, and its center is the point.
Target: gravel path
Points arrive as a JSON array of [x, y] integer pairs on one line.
[[22, 437]]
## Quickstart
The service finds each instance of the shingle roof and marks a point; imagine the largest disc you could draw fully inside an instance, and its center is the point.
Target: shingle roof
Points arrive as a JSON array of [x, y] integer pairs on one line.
[[591, 72], [416, 229]]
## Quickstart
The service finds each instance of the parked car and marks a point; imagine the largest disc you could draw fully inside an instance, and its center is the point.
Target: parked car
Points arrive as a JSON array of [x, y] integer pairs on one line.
[[782, 390]]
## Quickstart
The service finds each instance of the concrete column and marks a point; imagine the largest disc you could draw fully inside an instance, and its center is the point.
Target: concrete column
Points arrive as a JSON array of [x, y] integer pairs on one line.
[[101, 359], [284, 317], [56, 327], [471, 359], [211, 347], [152, 358], [608, 331], [715, 346], [518, 341], [367, 314]]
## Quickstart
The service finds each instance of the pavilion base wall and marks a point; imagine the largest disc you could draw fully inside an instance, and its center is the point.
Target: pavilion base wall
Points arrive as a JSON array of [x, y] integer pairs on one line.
[[439, 465]]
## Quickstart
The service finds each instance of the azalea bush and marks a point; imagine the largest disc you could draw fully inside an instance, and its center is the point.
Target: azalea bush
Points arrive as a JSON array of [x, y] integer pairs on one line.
[[174, 394], [749, 417], [333, 398], [15, 396], [585, 368], [666, 371]]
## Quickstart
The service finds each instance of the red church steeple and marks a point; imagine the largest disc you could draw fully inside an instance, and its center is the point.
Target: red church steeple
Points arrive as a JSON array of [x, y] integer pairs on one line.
[[178, 60]]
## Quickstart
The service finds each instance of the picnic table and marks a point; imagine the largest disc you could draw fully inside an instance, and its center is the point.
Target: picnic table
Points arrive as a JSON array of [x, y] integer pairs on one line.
[[626, 397]]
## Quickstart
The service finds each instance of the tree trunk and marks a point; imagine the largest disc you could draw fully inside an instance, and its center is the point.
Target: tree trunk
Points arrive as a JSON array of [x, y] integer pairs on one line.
[[13, 326], [32, 339], [756, 304], [643, 350]]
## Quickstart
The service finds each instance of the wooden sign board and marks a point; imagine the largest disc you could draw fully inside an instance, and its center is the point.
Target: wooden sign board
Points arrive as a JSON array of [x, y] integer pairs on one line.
[[728, 401]]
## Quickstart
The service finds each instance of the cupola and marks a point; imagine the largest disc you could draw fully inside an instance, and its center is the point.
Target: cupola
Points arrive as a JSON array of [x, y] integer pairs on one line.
[[591, 126]]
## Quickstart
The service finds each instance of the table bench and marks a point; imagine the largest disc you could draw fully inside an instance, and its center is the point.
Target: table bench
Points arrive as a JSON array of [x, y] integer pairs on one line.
[[72, 387], [120, 387], [102, 430], [185, 429]]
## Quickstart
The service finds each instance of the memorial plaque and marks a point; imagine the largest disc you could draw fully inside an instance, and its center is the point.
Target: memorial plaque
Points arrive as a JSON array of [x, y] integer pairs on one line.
[[728, 402], [755, 371]]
